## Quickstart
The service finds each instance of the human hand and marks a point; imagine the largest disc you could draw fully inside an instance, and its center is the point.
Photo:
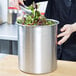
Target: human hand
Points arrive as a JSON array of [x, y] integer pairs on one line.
[[66, 31], [16, 3]]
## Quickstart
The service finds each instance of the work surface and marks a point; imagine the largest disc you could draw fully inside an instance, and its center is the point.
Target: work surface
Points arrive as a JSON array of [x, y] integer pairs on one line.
[[9, 67]]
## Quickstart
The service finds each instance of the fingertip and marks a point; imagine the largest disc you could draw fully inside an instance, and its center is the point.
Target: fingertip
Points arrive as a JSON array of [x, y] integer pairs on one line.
[[21, 2], [62, 29], [59, 43], [58, 36]]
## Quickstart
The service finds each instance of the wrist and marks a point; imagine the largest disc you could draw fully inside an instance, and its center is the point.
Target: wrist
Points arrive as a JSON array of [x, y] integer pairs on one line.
[[74, 27]]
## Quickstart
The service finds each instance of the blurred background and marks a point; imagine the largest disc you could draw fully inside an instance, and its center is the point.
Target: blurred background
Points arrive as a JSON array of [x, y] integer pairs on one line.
[[8, 32]]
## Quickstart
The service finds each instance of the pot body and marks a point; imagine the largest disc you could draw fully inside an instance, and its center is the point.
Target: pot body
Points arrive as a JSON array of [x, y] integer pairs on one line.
[[37, 49]]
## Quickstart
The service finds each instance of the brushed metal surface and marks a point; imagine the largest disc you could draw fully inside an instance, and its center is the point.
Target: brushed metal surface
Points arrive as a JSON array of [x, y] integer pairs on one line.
[[37, 49]]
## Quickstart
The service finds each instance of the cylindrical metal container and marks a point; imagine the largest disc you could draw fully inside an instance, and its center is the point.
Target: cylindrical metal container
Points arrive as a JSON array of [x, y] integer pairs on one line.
[[37, 48]]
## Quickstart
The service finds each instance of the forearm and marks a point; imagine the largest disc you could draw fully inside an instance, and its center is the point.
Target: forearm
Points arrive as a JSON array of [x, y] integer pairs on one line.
[[29, 2], [40, 0]]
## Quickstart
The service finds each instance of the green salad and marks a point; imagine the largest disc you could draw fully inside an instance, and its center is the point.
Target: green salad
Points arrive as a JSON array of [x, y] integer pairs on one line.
[[35, 18]]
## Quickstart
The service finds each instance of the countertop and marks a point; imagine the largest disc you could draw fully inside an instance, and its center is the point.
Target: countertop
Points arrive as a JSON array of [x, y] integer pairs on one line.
[[8, 32], [9, 67]]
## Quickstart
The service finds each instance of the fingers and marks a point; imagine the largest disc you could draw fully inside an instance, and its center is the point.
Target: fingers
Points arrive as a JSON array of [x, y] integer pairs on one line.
[[21, 1], [61, 34], [63, 40], [64, 28], [16, 4], [66, 32]]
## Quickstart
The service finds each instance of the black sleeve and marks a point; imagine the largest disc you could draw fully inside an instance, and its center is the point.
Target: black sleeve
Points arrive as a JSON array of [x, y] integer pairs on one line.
[[29, 2]]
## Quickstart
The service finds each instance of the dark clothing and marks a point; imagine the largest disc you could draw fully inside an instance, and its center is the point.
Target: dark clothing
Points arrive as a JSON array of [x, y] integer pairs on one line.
[[65, 12]]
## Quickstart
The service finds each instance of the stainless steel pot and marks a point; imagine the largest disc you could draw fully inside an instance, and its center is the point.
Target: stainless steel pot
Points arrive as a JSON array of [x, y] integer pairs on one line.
[[37, 48]]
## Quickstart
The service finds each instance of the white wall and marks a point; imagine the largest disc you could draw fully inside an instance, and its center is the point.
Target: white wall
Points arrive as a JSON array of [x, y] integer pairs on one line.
[[3, 10]]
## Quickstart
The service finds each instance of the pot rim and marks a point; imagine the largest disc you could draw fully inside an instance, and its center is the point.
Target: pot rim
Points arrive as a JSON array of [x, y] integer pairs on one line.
[[56, 23]]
